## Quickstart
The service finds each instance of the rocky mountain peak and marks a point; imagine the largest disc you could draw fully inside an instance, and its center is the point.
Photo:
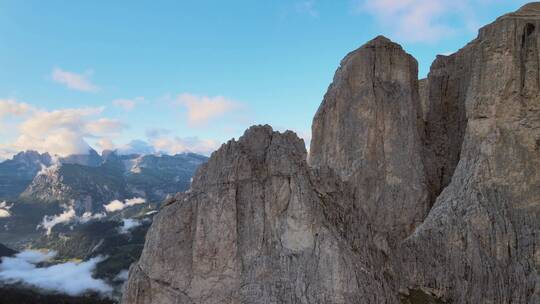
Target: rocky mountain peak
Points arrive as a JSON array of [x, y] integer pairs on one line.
[[91, 159], [32, 157], [381, 41], [531, 10], [260, 146], [368, 129]]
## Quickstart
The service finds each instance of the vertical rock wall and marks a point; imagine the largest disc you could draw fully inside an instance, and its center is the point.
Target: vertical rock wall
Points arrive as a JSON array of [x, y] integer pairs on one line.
[[368, 129]]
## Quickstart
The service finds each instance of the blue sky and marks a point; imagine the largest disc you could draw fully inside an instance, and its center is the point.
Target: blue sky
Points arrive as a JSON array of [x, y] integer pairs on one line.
[[189, 75]]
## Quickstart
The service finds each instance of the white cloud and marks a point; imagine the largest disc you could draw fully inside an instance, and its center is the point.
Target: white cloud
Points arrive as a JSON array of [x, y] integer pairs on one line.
[[4, 213], [70, 278], [113, 206], [202, 109], [135, 201], [68, 216], [88, 216], [61, 132], [5, 205], [117, 205], [4, 209], [45, 121], [105, 143], [127, 104], [79, 82], [49, 221], [128, 225]]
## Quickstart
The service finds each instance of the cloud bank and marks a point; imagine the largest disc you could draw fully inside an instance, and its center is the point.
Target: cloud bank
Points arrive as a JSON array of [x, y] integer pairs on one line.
[[70, 278], [61, 132]]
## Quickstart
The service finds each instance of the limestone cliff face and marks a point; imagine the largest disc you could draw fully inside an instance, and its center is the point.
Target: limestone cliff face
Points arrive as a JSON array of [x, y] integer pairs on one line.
[[252, 230], [414, 193]]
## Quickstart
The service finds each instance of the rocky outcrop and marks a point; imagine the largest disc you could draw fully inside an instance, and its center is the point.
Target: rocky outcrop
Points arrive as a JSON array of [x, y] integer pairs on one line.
[[368, 129], [414, 193]]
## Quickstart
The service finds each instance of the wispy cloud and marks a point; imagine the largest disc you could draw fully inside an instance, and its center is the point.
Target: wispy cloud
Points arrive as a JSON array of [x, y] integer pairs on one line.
[[75, 81], [202, 109], [68, 216], [421, 20], [307, 7], [49, 222], [413, 20], [70, 278], [127, 104], [12, 107], [117, 205]]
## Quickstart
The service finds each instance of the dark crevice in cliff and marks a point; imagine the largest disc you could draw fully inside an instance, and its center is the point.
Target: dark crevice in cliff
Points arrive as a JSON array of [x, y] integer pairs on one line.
[[529, 61], [445, 120]]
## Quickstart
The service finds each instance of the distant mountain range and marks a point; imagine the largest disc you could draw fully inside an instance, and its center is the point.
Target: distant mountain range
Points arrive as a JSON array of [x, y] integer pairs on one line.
[[17, 173], [89, 181]]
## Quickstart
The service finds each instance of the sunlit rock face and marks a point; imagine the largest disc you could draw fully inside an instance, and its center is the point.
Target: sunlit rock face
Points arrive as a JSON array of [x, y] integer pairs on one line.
[[414, 193]]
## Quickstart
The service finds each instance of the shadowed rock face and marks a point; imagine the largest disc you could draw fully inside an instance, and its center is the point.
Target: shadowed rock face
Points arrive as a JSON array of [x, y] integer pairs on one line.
[[413, 195]]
